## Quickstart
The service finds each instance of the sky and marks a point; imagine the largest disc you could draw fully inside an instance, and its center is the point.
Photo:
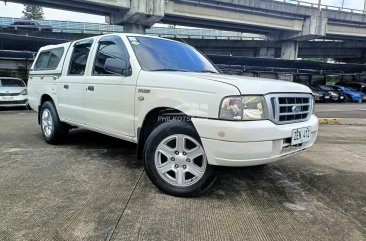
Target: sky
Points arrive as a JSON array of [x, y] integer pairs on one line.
[[353, 4], [15, 10]]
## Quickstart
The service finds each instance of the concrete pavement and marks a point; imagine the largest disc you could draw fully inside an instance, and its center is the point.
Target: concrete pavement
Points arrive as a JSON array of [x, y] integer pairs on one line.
[[92, 188], [341, 110]]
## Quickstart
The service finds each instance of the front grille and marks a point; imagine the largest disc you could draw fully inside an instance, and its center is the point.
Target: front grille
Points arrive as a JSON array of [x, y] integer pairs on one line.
[[290, 108], [9, 94], [14, 102]]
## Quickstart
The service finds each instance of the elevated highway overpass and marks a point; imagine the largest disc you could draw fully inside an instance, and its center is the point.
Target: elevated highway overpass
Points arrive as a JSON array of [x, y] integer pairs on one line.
[[279, 21], [347, 51]]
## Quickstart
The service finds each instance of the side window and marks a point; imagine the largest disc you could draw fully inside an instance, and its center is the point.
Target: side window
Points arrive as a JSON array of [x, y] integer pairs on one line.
[[108, 48], [79, 58], [54, 58], [49, 60], [42, 61]]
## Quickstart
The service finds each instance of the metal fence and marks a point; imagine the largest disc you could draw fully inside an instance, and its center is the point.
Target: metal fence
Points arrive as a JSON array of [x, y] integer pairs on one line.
[[103, 28], [323, 6]]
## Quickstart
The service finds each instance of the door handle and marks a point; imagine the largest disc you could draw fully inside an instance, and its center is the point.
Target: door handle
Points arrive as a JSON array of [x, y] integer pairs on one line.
[[66, 86], [91, 88]]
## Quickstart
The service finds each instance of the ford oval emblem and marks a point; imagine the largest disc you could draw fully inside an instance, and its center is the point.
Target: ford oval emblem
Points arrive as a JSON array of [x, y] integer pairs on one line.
[[296, 109]]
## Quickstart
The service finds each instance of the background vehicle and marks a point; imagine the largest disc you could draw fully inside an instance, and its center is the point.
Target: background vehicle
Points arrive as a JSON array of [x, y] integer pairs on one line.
[[320, 95], [357, 86], [29, 25], [335, 94], [185, 116], [351, 94], [13, 92]]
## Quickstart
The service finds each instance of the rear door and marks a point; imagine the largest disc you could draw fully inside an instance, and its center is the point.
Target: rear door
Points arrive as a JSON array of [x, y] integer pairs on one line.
[[71, 84], [109, 98]]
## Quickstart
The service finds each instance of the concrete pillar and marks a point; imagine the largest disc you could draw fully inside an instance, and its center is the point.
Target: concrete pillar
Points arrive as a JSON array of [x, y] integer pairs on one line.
[[134, 28], [265, 52], [289, 50]]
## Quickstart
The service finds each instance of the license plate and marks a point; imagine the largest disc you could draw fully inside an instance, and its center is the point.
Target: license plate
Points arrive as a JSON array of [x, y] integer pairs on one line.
[[7, 98], [341, 97], [327, 97], [301, 135]]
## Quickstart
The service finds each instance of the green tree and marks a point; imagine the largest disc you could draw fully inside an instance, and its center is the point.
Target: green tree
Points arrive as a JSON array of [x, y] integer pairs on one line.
[[32, 12]]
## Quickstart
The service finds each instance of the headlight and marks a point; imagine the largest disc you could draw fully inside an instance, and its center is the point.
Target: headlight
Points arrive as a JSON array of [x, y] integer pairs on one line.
[[316, 94], [243, 108], [24, 92]]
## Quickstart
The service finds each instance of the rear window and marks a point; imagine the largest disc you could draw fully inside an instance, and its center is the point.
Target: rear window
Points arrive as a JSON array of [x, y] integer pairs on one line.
[[49, 59], [11, 83]]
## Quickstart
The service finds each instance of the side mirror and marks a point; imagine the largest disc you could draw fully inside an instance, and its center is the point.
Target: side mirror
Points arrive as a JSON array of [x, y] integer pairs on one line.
[[118, 66]]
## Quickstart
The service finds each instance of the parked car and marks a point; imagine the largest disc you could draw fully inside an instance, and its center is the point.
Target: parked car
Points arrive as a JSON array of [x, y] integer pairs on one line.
[[13, 92], [351, 95], [29, 25], [358, 86], [185, 116], [336, 95], [320, 95]]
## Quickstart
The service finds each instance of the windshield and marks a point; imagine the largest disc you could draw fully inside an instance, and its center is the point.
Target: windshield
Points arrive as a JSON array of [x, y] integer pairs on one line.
[[328, 88], [11, 83], [156, 54]]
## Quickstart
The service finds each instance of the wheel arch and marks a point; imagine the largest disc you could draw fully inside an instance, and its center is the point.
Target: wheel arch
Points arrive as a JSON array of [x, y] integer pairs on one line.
[[153, 119]]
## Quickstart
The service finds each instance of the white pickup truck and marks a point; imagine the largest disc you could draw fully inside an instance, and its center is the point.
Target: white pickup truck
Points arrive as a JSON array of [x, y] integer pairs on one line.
[[185, 116]]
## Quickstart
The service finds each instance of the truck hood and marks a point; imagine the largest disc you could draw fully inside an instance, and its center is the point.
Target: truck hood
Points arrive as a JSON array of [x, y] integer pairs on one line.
[[251, 85]]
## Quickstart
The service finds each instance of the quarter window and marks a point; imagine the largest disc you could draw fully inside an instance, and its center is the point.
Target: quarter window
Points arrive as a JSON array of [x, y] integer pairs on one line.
[[79, 58], [49, 60]]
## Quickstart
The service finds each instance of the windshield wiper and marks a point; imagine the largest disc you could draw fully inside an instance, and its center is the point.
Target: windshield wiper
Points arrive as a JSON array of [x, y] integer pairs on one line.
[[207, 71], [177, 70]]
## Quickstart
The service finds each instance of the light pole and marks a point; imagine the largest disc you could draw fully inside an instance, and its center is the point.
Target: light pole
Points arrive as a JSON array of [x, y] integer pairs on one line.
[[320, 3], [342, 4]]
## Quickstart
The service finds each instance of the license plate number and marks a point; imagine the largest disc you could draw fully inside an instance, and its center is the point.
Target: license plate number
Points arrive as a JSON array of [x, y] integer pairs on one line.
[[301, 135], [7, 98]]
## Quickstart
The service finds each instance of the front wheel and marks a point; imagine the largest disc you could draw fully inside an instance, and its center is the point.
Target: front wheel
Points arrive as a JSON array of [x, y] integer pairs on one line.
[[348, 98], [175, 160]]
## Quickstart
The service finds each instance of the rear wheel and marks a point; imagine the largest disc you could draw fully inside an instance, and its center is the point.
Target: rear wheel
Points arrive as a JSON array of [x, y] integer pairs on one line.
[[175, 160], [53, 130]]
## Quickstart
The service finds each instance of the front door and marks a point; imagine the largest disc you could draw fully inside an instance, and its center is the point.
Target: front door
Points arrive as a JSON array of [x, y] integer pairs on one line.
[[109, 98]]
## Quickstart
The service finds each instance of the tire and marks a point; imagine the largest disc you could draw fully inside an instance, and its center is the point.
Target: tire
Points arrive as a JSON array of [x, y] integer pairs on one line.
[[53, 130], [348, 98], [27, 107], [178, 170]]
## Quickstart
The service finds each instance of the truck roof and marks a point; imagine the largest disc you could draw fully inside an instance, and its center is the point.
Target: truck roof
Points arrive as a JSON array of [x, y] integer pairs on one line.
[[99, 36]]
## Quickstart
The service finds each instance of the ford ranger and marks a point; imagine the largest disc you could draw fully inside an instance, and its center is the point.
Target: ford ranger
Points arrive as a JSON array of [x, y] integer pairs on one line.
[[165, 96]]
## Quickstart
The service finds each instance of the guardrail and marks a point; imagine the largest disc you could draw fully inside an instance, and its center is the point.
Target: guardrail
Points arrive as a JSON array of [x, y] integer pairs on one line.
[[103, 28], [322, 6]]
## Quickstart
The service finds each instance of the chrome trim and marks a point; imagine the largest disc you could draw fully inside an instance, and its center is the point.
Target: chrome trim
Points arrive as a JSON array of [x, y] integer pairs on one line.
[[274, 107]]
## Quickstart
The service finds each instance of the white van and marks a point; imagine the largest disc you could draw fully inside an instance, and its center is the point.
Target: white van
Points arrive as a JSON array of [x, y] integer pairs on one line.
[[185, 116]]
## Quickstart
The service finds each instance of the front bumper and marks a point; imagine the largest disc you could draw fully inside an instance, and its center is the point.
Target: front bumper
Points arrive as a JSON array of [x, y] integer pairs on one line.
[[233, 143], [13, 101]]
